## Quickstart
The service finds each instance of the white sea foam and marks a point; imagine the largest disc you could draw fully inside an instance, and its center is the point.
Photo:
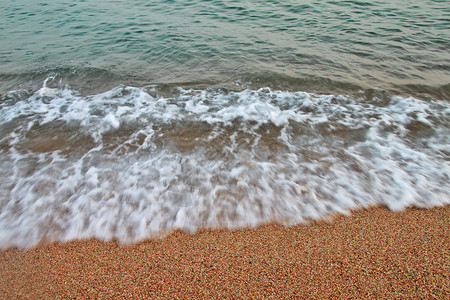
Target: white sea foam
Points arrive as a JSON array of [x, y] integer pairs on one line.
[[129, 163]]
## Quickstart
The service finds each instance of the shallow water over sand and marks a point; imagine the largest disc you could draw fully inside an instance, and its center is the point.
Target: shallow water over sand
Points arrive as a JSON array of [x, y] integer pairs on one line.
[[130, 163]]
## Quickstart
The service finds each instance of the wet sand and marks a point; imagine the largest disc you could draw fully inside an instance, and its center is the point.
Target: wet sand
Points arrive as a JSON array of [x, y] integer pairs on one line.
[[372, 253]]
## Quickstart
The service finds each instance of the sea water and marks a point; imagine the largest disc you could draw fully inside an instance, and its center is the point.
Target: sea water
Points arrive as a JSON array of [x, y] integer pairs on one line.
[[123, 120]]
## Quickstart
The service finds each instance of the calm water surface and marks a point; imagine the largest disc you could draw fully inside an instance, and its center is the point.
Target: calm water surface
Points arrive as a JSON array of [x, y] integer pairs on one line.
[[288, 44]]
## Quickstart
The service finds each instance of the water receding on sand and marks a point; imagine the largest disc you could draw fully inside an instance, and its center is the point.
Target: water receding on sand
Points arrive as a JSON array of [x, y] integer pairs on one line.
[[130, 163]]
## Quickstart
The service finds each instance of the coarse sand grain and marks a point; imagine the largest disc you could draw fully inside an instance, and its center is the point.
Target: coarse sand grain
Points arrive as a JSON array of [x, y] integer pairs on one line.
[[373, 253]]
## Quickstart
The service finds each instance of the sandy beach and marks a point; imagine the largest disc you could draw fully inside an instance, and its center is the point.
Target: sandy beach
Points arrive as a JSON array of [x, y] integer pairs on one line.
[[159, 149], [372, 253]]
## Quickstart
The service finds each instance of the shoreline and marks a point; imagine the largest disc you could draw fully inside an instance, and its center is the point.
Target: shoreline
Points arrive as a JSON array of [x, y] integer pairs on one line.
[[371, 253]]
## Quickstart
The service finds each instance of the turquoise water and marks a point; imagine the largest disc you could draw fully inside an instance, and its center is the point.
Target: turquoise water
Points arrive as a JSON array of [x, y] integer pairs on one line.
[[126, 119], [393, 45]]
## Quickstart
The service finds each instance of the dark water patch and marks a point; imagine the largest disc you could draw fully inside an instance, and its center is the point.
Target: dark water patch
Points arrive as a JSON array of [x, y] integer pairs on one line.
[[440, 92], [95, 80], [86, 80]]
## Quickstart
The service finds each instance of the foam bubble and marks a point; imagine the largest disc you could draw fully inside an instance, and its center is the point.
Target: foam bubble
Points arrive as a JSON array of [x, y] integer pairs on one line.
[[129, 163]]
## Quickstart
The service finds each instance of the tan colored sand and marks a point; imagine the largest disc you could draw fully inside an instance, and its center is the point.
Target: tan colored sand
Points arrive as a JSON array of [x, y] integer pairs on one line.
[[371, 254]]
